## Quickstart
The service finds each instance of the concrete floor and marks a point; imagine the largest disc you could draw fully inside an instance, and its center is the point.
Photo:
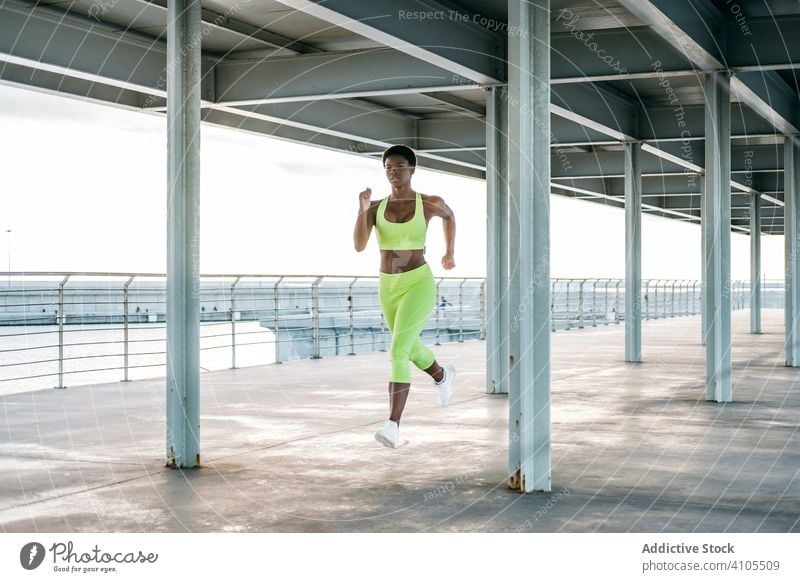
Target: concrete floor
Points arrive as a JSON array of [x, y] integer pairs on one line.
[[289, 447]]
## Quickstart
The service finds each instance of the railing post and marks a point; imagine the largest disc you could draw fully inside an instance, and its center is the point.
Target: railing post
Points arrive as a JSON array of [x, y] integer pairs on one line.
[[567, 301], [125, 328], [482, 333], [461, 312], [594, 303], [233, 323], [276, 296], [580, 304], [61, 318], [685, 293], [315, 316], [694, 297], [685, 299], [437, 312], [616, 303], [741, 294], [744, 300], [655, 301], [746, 294], [688, 310], [605, 302], [672, 300], [350, 310], [647, 299], [553, 305]]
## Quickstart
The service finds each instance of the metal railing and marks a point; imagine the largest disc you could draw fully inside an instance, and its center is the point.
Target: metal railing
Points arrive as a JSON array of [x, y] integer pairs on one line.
[[102, 327]]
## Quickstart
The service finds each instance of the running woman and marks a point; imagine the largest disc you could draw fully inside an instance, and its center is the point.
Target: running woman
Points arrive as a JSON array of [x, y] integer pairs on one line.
[[406, 288]]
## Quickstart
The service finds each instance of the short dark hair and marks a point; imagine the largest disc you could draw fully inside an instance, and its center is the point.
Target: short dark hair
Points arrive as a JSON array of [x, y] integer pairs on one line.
[[400, 150]]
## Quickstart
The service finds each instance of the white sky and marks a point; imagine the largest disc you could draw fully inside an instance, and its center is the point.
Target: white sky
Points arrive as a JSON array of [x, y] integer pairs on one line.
[[84, 189]]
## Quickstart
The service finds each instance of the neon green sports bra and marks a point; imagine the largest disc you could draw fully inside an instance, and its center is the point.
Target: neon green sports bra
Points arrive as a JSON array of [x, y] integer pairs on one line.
[[401, 235]]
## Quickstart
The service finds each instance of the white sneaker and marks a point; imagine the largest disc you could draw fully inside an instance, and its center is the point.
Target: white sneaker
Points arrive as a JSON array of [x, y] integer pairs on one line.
[[445, 388], [389, 435]]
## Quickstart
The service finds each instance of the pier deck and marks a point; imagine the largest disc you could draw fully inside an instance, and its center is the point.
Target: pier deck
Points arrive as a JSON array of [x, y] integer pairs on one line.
[[289, 447]]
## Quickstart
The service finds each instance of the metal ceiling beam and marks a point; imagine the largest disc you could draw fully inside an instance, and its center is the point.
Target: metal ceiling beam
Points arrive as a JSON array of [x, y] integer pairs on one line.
[[468, 157], [744, 160], [620, 54], [228, 23], [642, 51], [632, 53], [691, 27], [769, 182], [445, 38], [616, 200], [371, 72], [685, 202], [606, 165], [342, 119], [595, 108], [349, 121], [381, 127], [695, 31], [780, 47], [261, 126], [769, 96], [353, 122], [476, 109], [49, 39], [685, 123], [566, 131], [64, 86], [438, 133]]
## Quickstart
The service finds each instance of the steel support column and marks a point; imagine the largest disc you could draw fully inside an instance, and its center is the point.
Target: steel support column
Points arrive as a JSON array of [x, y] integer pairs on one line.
[[755, 263], [183, 233], [716, 227], [497, 241], [633, 252], [703, 290], [791, 229], [529, 188]]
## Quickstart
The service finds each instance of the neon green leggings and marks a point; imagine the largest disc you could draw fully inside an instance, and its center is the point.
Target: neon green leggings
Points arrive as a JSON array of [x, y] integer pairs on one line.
[[407, 300]]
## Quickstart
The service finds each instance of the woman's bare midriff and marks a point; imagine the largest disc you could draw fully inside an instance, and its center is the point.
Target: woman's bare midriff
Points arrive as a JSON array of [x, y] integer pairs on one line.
[[401, 261]]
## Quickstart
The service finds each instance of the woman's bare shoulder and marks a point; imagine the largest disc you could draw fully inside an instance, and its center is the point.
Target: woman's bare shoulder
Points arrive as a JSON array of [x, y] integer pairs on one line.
[[435, 206], [372, 212], [431, 198]]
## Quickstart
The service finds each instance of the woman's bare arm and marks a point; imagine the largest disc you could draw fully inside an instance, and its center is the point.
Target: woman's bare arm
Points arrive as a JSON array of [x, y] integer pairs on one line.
[[438, 207], [365, 220]]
